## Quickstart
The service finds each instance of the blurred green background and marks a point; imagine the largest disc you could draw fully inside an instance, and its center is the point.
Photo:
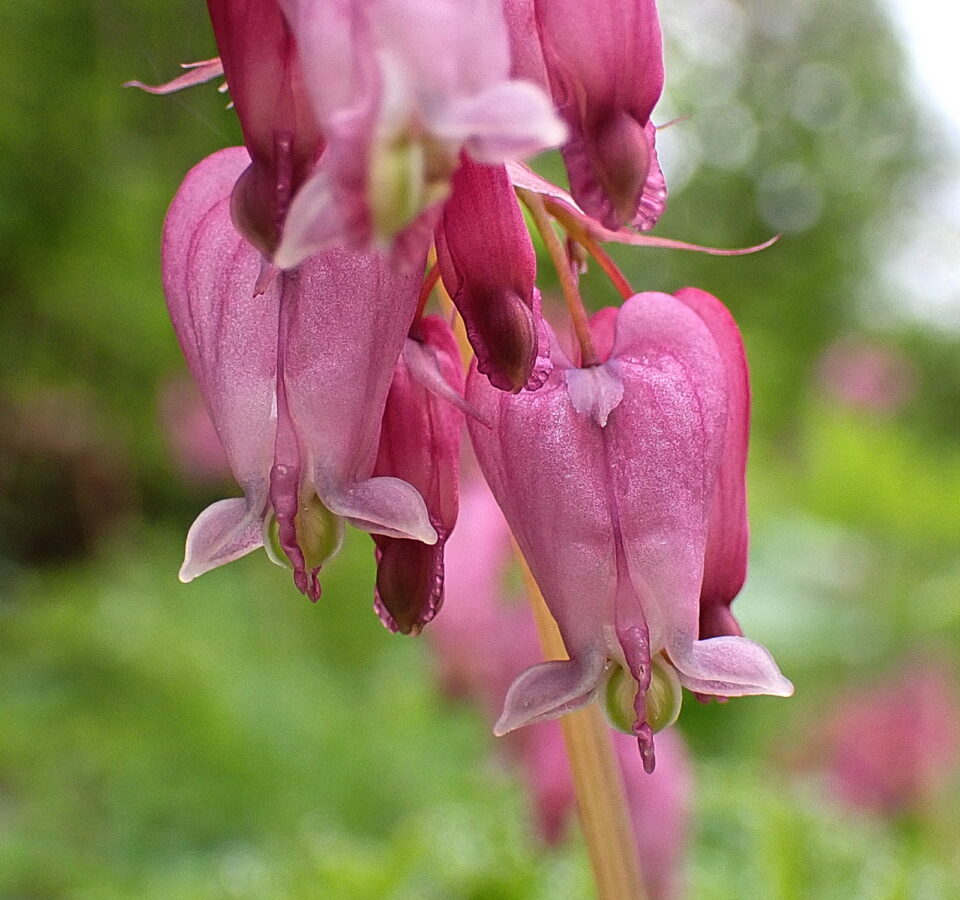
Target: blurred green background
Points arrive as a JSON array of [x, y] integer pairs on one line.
[[229, 739]]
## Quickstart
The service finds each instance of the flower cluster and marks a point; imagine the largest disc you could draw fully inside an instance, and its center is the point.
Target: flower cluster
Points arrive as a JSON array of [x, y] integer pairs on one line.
[[382, 164]]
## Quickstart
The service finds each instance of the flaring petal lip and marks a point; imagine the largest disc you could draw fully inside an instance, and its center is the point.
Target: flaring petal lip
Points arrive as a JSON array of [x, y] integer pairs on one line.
[[609, 492]]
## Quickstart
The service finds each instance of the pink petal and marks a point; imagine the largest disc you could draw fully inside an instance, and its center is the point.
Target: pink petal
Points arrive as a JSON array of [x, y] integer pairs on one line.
[[664, 443], [420, 443], [387, 506], [725, 565], [223, 532], [346, 315], [525, 53], [729, 667], [228, 336], [544, 463], [606, 75], [510, 120], [263, 69], [595, 392], [550, 689], [488, 266]]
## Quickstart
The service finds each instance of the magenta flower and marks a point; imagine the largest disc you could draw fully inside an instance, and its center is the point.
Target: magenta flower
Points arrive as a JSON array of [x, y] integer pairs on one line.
[[489, 267], [608, 477], [399, 88], [295, 379], [420, 443], [604, 66]]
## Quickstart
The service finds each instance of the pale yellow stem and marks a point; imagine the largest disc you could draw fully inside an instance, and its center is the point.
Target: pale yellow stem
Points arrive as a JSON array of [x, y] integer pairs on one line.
[[598, 784]]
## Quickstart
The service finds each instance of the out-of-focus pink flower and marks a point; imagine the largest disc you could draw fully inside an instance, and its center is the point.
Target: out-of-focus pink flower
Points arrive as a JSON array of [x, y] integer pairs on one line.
[[485, 608], [295, 379], [866, 375], [194, 445], [420, 443], [399, 88], [608, 476], [604, 67], [892, 747]]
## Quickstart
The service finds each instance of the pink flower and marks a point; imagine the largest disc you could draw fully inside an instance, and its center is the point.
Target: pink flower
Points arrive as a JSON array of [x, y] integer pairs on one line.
[[893, 747], [483, 611], [399, 88], [420, 443], [866, 375], [604, 67], [295, 379], [608, 477]]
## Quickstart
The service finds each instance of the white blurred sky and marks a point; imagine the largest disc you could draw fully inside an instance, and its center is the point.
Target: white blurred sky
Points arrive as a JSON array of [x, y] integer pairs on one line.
[[931, 29], [924, 262]]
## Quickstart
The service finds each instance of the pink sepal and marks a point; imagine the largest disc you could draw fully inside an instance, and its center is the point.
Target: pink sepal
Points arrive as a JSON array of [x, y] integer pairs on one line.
[[197, 73]]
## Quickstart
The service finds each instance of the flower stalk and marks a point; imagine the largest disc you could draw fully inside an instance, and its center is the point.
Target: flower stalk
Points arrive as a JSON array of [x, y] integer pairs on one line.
[[568, 282], [576, 230], [598, 784]]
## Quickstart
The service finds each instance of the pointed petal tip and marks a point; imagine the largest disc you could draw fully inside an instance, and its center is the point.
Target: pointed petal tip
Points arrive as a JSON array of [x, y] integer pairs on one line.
[[550, 689], [784, 688], [223, 532], [503, 726]]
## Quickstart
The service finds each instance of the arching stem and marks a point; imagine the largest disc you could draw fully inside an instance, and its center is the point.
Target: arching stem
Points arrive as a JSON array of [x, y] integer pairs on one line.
[[580, 234], [568, 281]]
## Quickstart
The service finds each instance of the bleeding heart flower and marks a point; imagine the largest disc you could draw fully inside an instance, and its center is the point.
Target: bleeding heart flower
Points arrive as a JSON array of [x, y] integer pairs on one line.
[[420, 443], [399, 88], [295, 378], [608, 477]]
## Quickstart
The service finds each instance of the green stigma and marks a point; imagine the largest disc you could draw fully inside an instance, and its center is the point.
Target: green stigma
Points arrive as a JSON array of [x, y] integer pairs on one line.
[[663, 699], [319, 535]]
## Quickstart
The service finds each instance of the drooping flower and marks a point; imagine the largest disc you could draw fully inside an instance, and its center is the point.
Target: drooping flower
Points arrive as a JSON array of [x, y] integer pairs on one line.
[[399, 88], [608, 476], [604, 67], [485, 609], [295, 379], [489, 267], [420, 443]]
